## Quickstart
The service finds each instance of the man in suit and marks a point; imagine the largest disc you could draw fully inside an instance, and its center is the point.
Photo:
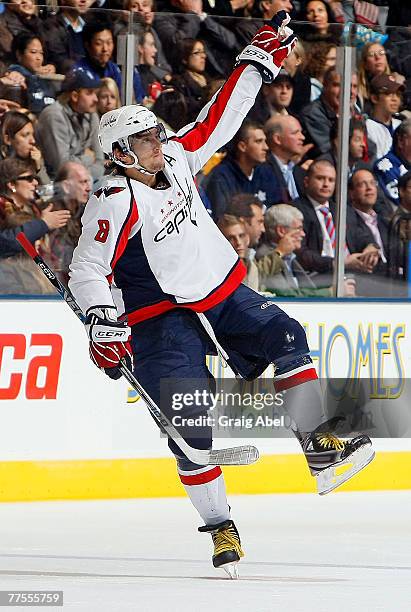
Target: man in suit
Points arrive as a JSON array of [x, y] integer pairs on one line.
[[367, 226], [283, 178], [318, 247]]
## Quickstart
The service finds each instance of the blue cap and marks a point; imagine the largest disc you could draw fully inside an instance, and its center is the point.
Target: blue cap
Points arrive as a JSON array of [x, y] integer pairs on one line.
[[80, 78]]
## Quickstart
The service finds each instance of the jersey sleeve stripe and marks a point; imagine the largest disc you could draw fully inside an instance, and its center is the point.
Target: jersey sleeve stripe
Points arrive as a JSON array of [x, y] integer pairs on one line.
[[200, 132]]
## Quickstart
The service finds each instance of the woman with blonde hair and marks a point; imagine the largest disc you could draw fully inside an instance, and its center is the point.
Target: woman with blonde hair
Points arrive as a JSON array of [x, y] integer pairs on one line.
[[373, 62], [108, 96]]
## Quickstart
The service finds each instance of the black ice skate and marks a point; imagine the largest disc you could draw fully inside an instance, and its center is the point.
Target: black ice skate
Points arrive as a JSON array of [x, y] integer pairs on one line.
[[333, 461], [227, 546]]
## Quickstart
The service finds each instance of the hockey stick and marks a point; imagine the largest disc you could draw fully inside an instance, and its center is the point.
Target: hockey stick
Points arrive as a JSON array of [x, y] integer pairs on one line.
[[238, 455]]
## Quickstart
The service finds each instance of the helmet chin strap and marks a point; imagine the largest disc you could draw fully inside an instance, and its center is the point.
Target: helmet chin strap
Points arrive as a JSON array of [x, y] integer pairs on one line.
[[135, 164], [127, 151]]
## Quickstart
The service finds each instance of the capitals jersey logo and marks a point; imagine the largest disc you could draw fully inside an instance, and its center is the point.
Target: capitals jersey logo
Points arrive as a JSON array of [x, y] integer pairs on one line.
[[183, 212]]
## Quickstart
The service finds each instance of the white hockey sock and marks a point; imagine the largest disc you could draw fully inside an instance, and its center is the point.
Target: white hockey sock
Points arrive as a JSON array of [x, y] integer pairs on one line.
[[206, 490], [303, 397]]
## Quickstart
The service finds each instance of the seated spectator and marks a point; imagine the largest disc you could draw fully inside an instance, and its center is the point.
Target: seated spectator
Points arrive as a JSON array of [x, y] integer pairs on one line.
[[273, 99], [18, 183], [28, 51], [399, 235], [321, 57], [171, 108], [319, 116], [68, 129], [385, 100], [283, 178], [12, 97], [320, 15], [318, 249], [295, 64], [192, 81], [396, 162], [250, 210], [98, 42], [108, 96], [18, 140], [147, 54], [373, 62], [73, 187], [145, 10], [187, 19], [367, 226], [63, 33], [234, 230], [238, 172], [18, 17], [358, 152], [276, 260]]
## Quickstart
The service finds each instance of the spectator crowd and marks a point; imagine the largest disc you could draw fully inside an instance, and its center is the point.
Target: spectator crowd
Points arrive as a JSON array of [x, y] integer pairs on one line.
[[271, 191]]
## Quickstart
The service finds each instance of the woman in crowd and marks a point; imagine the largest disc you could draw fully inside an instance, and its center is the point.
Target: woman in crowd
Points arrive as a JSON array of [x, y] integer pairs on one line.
[[108, 96], [322, 56], [28, 52], [18, 184], [192, 82], [319, 14], [373, 62], [19, 16], [147, 55], [18, 140], [295, 65]]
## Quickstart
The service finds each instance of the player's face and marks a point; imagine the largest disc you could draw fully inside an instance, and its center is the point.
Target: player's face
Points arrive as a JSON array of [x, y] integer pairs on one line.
[[147, 147], [238, 238], [364, 188], [256, 146], [320, 184], [101, 47], [255, 225]]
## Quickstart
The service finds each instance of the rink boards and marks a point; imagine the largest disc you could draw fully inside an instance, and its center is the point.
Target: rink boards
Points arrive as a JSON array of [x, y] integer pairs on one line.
[[68, 432]]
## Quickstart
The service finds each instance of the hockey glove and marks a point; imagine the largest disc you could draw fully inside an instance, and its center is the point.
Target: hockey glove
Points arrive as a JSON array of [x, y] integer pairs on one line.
[[269, 47], [109, 340]]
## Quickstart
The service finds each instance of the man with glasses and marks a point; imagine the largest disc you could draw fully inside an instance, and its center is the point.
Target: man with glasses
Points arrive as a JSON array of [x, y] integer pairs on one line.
[[151, 256]]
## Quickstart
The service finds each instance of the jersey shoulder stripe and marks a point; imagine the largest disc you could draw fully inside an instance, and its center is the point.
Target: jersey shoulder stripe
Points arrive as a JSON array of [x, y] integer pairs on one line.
[[123, 236]]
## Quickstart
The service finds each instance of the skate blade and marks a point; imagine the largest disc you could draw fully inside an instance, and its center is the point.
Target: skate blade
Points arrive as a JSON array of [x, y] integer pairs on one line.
[[331, 478], [231, 569]]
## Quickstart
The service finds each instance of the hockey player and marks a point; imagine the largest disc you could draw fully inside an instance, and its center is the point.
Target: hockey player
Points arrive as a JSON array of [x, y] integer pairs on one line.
[[151, 258]]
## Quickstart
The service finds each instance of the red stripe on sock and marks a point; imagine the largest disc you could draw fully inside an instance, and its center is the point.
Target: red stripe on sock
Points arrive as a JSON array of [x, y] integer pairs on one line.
[[202, 478], [295, 379]]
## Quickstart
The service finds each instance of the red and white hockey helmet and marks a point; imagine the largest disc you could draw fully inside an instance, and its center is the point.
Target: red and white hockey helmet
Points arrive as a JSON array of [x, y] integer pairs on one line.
[[118, 125]]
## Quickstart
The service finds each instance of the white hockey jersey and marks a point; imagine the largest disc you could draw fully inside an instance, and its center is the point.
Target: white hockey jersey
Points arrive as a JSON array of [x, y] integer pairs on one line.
[[147, 250]]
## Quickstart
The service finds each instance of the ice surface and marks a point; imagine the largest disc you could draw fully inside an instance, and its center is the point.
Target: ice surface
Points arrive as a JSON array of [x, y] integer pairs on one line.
[[340, 553]]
